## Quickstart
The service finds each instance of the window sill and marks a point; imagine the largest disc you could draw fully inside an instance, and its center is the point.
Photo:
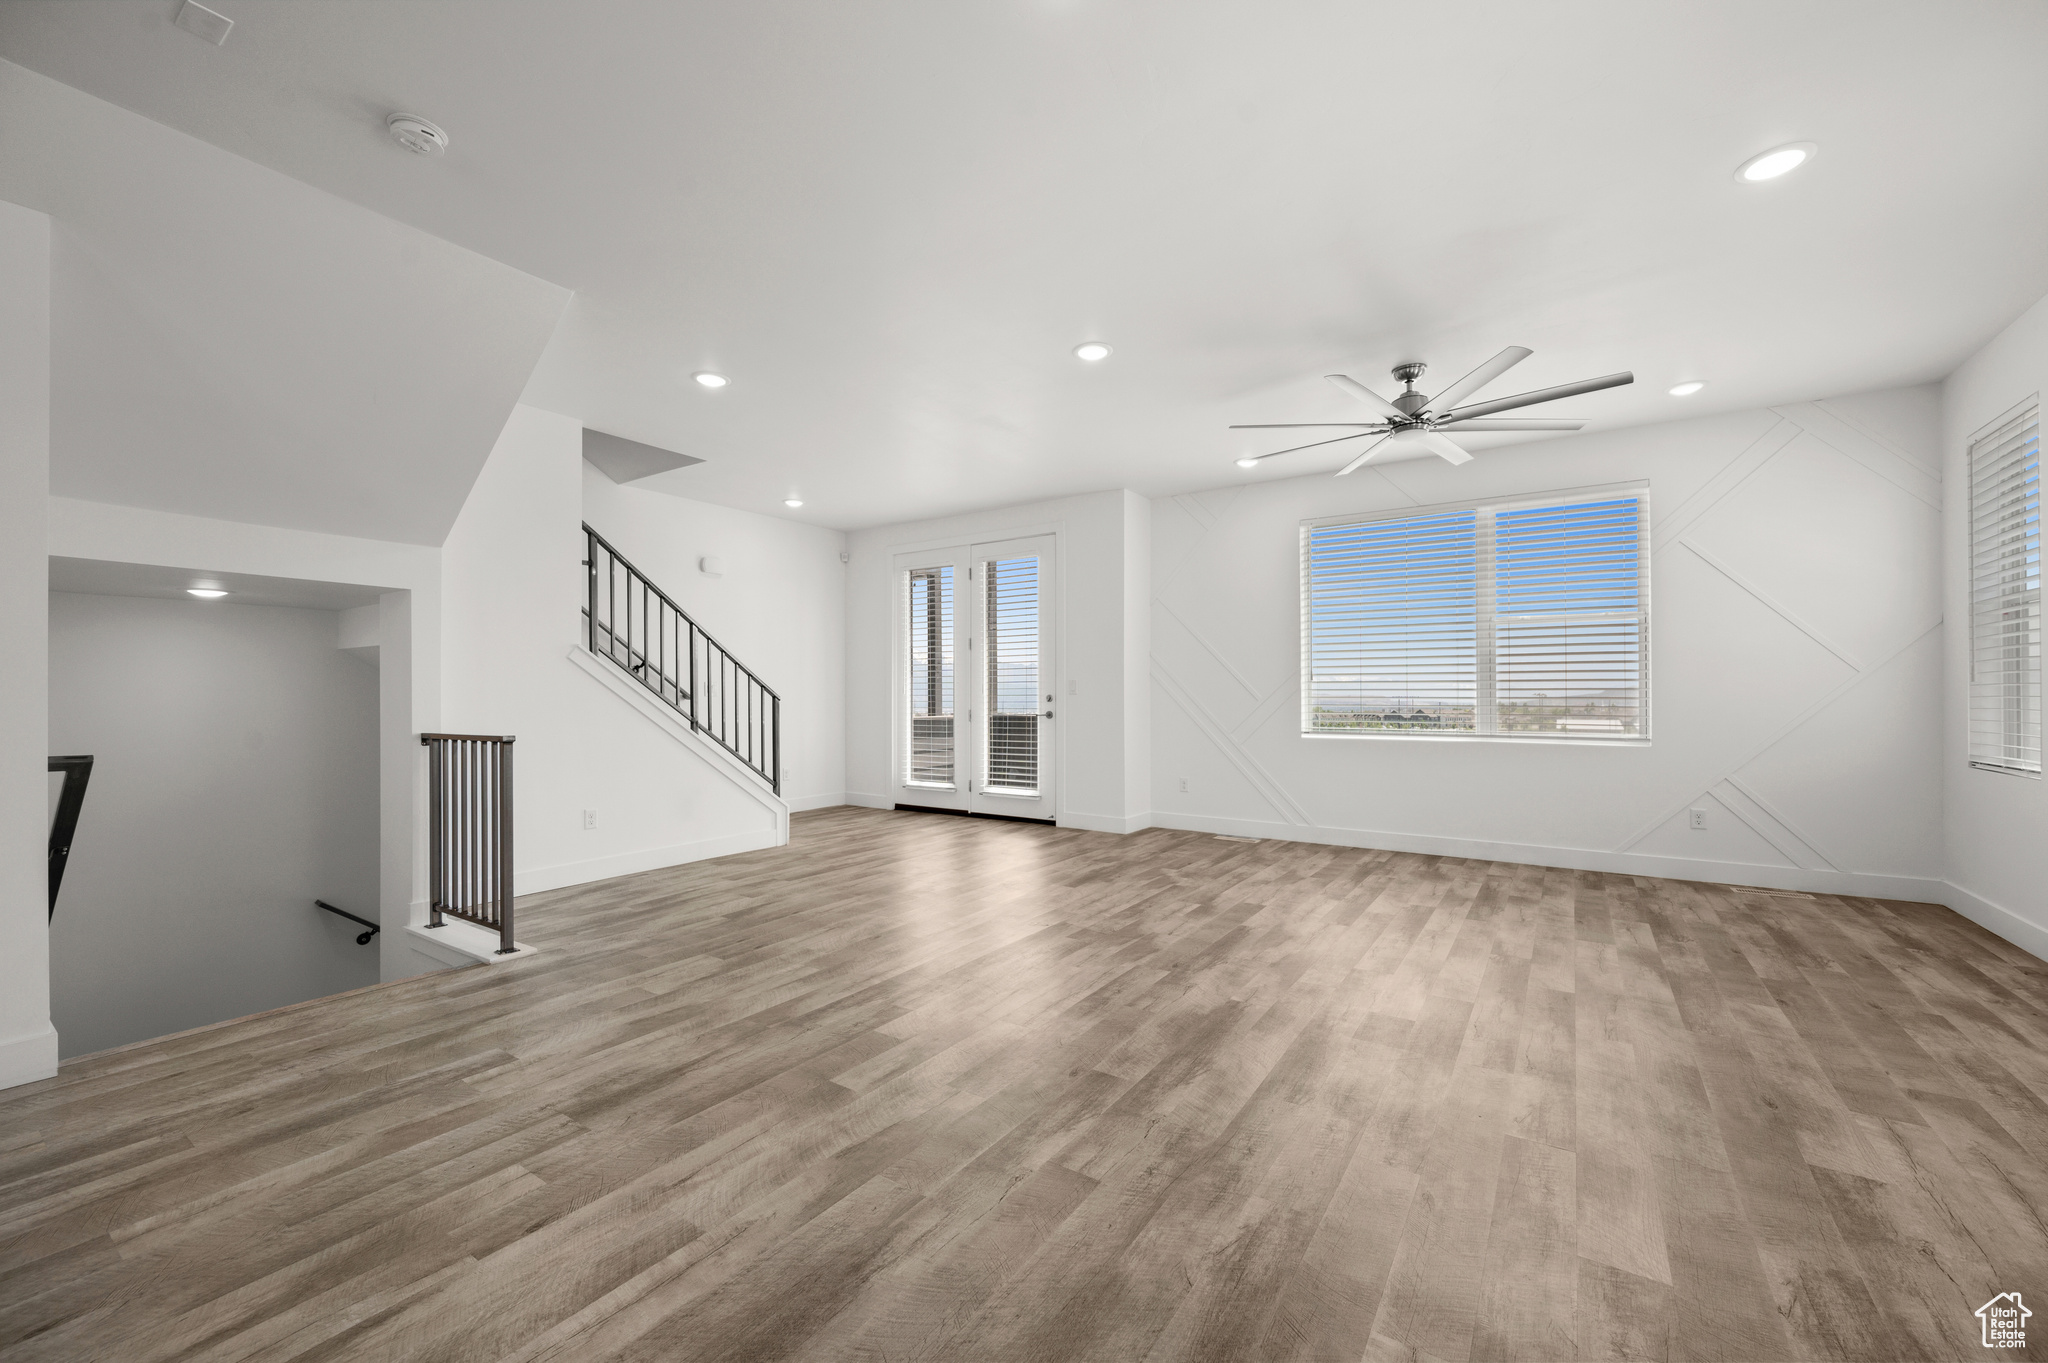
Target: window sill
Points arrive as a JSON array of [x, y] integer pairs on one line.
[[1551, 740], [1997, 770]]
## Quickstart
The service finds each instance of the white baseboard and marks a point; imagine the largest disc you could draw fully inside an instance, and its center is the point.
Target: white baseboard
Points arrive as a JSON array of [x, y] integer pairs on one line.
[[2023, 933], [538, 878], [800, 802], [1862, 884], [1105, 823], [866, 801], [27, 1058]]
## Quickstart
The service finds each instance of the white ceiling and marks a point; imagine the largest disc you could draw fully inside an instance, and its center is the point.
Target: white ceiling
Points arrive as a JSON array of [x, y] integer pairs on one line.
[[229, 342], [889, 223]]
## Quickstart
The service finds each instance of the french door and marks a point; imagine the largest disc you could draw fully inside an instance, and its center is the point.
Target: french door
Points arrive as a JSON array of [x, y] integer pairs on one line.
[[975, 691]]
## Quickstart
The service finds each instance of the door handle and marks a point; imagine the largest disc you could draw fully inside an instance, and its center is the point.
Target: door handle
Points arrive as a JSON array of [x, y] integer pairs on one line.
[[1048, 714]]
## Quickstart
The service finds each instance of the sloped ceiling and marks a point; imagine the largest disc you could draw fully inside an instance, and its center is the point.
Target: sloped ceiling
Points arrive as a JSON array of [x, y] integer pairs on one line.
[[230, 342], [891, 222]]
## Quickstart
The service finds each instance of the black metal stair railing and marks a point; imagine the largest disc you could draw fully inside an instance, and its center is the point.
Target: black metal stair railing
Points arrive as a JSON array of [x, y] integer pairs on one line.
[[633, 623], [469, 832], [64, 821]]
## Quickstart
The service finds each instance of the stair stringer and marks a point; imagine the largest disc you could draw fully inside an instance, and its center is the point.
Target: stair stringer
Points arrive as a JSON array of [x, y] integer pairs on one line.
[[676, 727]]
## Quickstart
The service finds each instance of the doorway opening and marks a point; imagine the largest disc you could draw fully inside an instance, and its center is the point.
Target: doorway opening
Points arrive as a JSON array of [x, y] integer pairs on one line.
[[976, 680]]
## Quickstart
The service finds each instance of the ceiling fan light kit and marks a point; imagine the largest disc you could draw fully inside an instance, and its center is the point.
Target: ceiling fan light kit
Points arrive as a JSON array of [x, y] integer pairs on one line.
[[1415, 419]]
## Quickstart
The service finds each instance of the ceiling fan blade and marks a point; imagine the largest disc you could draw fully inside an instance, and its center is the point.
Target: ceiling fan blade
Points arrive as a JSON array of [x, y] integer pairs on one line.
[[1290, 425], [1563, 390], [1367, 396], [1363, 455], [1480, 377], [1448, 448], [1512, 424], [1311, 445]]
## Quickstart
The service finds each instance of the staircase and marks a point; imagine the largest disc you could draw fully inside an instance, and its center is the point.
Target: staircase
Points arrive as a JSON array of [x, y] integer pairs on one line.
[[632, 624]]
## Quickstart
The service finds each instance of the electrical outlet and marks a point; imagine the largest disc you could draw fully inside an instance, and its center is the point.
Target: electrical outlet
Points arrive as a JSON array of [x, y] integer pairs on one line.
[[590, 818], [1699, 818], [1073, 687], [1183, 785]]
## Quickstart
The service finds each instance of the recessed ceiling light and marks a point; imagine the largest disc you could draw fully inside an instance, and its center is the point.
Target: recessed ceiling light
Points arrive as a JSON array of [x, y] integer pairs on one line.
[[1688, 388], [709, 379], [1771, 164], [792, 501], [1248, 463], [208, 592], [1091, 351]]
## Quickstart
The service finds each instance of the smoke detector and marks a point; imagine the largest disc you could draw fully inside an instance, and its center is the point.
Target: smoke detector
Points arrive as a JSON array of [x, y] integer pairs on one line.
[[415, 134]]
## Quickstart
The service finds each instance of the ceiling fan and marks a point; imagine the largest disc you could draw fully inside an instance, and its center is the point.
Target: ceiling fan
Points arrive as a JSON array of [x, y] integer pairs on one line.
[[1413, 418]]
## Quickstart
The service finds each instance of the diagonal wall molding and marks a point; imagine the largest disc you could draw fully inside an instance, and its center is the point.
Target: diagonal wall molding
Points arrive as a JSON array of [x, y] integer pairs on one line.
[[1746, 805], [1263, 711], [1737, 471], [1785, 612], [1826, 699], [1772, 825], [1248, 766], [1209, 648], [1875, 456]]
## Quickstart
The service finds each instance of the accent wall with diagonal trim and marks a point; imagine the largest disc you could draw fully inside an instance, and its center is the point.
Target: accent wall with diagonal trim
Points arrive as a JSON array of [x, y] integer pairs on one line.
[[1795, 674]]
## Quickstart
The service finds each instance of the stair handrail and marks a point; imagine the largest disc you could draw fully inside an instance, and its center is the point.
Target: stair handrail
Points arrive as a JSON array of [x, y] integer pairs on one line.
[[684, 696], [77, 770], [362, 938]]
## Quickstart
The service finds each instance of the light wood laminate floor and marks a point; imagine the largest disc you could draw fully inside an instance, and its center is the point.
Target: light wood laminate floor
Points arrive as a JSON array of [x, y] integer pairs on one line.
[[930, 1088]]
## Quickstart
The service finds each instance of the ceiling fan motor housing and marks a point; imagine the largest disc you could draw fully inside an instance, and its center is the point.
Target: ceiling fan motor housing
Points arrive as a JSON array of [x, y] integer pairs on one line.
[[1411, 401]]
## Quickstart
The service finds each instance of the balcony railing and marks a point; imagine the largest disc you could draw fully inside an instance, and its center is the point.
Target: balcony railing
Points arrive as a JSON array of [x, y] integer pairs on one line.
[[469, 833], [634, 624]]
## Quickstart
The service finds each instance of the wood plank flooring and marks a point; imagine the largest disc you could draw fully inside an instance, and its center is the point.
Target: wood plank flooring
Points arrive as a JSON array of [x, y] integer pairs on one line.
[[941, 1089]]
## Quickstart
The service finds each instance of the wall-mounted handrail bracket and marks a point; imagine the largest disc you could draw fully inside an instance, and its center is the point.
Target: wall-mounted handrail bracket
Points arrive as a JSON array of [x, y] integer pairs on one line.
[[362, 938], [77, 771]]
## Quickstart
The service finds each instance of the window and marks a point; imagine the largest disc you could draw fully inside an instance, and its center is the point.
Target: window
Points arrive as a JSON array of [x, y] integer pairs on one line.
[[1011, 613], [1512, 619], [931, 677], [2005, 593]]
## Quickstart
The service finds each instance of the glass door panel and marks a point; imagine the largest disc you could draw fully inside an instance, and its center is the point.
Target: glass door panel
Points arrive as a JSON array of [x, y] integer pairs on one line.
[[1012, 728], [930, 755]]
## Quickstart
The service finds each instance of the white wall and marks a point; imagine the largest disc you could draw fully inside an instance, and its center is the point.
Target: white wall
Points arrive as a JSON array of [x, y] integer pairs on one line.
[[780, 606], [234, 782], [1795, 663], [409, 677], [28, 1045], [235, 343], [514, 589], [1102, 609], [1996, 825]]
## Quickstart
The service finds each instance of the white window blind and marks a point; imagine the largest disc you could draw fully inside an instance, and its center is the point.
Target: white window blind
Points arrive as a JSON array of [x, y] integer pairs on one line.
[[1011, 612], [2005, 593], [931, 676], [1523, 618]]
